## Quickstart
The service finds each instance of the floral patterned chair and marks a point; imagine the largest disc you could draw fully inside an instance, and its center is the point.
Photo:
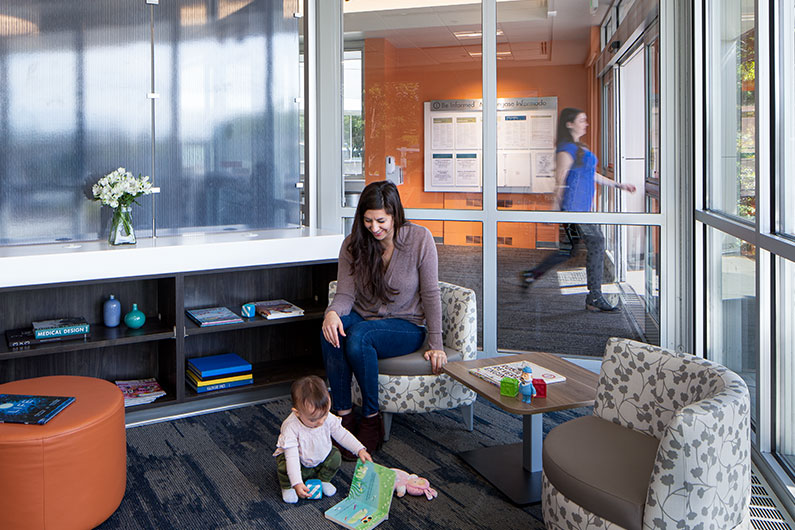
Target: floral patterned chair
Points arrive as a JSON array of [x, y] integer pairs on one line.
[[668, 446], [406, 383]]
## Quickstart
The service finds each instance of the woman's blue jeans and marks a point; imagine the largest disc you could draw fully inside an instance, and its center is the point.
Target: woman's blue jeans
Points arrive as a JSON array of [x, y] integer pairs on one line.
[[358, 354]]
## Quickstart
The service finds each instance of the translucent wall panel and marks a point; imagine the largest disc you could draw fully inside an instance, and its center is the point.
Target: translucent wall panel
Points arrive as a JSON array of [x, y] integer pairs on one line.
[[731, 104], [546, 271], [73, 83], [227, 122], [732, 312], [413, 56], [785, 422]]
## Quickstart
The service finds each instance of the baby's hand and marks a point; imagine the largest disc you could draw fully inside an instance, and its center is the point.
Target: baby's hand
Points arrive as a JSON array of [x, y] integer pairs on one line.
[[364, 456], [301, 490]]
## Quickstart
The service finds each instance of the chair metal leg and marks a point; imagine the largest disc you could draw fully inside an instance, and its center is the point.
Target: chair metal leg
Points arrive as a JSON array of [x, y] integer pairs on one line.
[[387, 416], [468, 413]]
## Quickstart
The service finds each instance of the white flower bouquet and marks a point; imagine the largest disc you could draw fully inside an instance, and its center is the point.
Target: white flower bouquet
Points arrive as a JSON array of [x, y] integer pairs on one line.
[[120, 188]]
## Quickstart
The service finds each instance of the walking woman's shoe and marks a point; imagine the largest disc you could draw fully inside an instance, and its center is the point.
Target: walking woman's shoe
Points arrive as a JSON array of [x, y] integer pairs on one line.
[[349, 422], [528, 277], [599, 303], [371, 432]]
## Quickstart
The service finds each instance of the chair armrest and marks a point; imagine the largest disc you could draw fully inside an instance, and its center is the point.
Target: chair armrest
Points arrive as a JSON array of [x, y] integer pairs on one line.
[[702, 470], [459, 319]]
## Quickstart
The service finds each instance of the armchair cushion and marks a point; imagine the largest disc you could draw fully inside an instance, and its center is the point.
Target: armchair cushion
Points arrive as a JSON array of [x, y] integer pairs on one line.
[[414, 363], [601, 466]]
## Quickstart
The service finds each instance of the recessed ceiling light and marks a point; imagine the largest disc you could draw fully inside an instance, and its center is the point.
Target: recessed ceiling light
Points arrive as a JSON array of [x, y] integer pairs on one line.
[[473, 34], [10, 25]]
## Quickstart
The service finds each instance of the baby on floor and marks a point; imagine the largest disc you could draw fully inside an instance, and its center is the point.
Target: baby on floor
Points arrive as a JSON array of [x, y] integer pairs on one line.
[[304, 449]]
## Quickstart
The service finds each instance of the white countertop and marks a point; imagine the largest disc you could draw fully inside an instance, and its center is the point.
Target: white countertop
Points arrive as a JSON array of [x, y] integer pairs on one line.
[[95, 260]]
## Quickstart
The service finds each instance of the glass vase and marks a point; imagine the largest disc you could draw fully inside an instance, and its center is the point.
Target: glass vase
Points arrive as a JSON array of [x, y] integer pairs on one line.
[[121, 228]]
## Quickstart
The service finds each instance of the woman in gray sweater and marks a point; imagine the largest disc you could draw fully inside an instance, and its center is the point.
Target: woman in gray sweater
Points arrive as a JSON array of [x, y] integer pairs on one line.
[[387, 301]]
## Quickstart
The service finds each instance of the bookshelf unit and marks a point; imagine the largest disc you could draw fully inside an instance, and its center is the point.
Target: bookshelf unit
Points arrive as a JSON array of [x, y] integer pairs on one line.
[[280, 350]]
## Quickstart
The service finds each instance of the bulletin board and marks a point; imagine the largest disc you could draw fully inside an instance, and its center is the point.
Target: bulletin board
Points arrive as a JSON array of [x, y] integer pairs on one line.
[[525, 145]]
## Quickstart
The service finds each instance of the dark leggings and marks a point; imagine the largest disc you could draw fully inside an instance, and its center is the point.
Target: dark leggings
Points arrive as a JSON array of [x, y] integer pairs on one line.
[[575, 235]]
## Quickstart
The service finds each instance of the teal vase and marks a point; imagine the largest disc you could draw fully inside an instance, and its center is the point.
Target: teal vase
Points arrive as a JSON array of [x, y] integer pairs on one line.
[[135, 318]]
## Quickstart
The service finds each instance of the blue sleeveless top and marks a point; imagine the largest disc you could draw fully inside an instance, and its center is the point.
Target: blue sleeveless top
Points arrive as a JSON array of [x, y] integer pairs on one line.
[[579, 192]]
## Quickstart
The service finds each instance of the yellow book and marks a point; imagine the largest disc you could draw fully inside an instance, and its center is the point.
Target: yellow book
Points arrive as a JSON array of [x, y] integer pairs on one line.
[[200, 383]]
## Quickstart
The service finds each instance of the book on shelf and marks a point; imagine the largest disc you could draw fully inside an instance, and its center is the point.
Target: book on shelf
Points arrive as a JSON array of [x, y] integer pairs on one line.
[[60, 327], [494, 374], [199, 382], [369, 499], [213, 316], [140, 391], [31, 410], [25, 337], [217, 378], [273, 309], [218, 386], [216, 365]]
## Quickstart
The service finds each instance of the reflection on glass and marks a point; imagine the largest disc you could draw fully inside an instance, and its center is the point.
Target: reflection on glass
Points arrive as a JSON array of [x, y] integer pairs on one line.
[[653, 127], [732, 307], [227, 124], [547, 277], [786, 369], [459, 245], [732, 185], [411, 57], [788, 118]]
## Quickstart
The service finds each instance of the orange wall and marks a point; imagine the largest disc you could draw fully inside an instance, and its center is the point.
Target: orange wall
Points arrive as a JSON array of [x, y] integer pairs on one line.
[[397, 81]]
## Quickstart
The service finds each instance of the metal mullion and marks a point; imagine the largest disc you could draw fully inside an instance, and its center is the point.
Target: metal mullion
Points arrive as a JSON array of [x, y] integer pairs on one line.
[[732, 227], [489, 172]]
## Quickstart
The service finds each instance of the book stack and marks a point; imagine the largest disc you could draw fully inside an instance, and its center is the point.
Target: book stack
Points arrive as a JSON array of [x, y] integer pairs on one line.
[[140, 391], [32, 410], [216, 372], [213, 316], [273, 309], [42, 331]]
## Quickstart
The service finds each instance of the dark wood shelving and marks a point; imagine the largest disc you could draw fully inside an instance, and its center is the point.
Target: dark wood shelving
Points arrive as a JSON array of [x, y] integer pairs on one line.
[[100, 337]]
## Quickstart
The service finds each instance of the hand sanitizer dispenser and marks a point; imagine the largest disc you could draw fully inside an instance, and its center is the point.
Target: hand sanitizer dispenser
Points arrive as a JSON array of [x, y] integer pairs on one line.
[[394, 173]]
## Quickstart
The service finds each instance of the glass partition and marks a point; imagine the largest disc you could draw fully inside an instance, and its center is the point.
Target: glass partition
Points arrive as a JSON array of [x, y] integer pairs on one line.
[[731, 103], [732, 329], [549, 275], [419, 67], [208, 109]]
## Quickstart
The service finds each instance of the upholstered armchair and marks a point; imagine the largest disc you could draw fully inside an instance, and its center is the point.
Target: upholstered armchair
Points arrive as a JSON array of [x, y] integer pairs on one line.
[[668, 446], [406, 383]]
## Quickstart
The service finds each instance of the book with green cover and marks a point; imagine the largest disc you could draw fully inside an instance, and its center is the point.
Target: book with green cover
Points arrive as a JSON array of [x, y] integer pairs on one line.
[[369, 499]]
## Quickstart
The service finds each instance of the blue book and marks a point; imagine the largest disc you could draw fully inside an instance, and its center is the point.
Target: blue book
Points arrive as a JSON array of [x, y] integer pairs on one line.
[[225, 363], [32, 410], [218, 386]]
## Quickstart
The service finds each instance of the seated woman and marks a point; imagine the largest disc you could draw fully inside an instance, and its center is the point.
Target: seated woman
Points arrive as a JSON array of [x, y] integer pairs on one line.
[[387, 292]]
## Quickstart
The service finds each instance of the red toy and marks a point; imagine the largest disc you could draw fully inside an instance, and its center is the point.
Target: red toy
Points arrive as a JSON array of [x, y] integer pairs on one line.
[[541, 388]]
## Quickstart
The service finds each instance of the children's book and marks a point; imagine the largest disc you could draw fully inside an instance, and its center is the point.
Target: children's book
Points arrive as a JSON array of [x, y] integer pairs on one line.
[[33, 410], [494, 374], [273, 309], [369, 499], [213, 316], [215, 365]]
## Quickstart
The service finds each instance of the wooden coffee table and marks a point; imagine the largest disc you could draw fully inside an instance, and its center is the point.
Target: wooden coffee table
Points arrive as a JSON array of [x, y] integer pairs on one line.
[[515, 469]]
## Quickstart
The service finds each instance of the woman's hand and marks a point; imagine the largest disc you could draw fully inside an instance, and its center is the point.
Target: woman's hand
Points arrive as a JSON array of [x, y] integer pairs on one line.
[[437, 358], [332, 328], [626, 187]]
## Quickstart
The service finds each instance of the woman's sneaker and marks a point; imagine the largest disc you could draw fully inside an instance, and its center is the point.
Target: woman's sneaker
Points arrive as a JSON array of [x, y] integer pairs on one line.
[[599, 303], [528, 278]]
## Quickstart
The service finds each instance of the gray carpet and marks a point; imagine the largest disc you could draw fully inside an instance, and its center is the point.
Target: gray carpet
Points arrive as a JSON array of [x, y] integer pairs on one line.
[[544, 317], [216, 471]]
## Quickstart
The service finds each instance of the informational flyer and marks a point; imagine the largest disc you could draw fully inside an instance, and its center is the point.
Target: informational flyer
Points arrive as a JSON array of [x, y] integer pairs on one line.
[[443, 133], [544, 172], [467, 169], [443, 169], [468, 133], [542, 131], [512, 132], [514, 169]]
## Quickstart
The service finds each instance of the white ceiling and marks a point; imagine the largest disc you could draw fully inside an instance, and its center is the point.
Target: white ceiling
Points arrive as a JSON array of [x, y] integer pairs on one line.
[[529, 32]]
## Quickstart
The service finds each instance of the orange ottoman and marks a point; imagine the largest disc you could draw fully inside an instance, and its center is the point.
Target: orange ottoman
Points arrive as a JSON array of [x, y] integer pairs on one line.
[[72, 471]]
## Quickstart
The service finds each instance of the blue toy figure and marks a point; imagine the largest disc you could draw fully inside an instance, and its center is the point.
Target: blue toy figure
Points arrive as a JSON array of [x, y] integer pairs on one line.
[[315, 489], [526, 387]]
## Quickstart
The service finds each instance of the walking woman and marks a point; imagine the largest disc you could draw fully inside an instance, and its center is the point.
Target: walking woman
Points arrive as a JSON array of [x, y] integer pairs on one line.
[[576, 175]]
